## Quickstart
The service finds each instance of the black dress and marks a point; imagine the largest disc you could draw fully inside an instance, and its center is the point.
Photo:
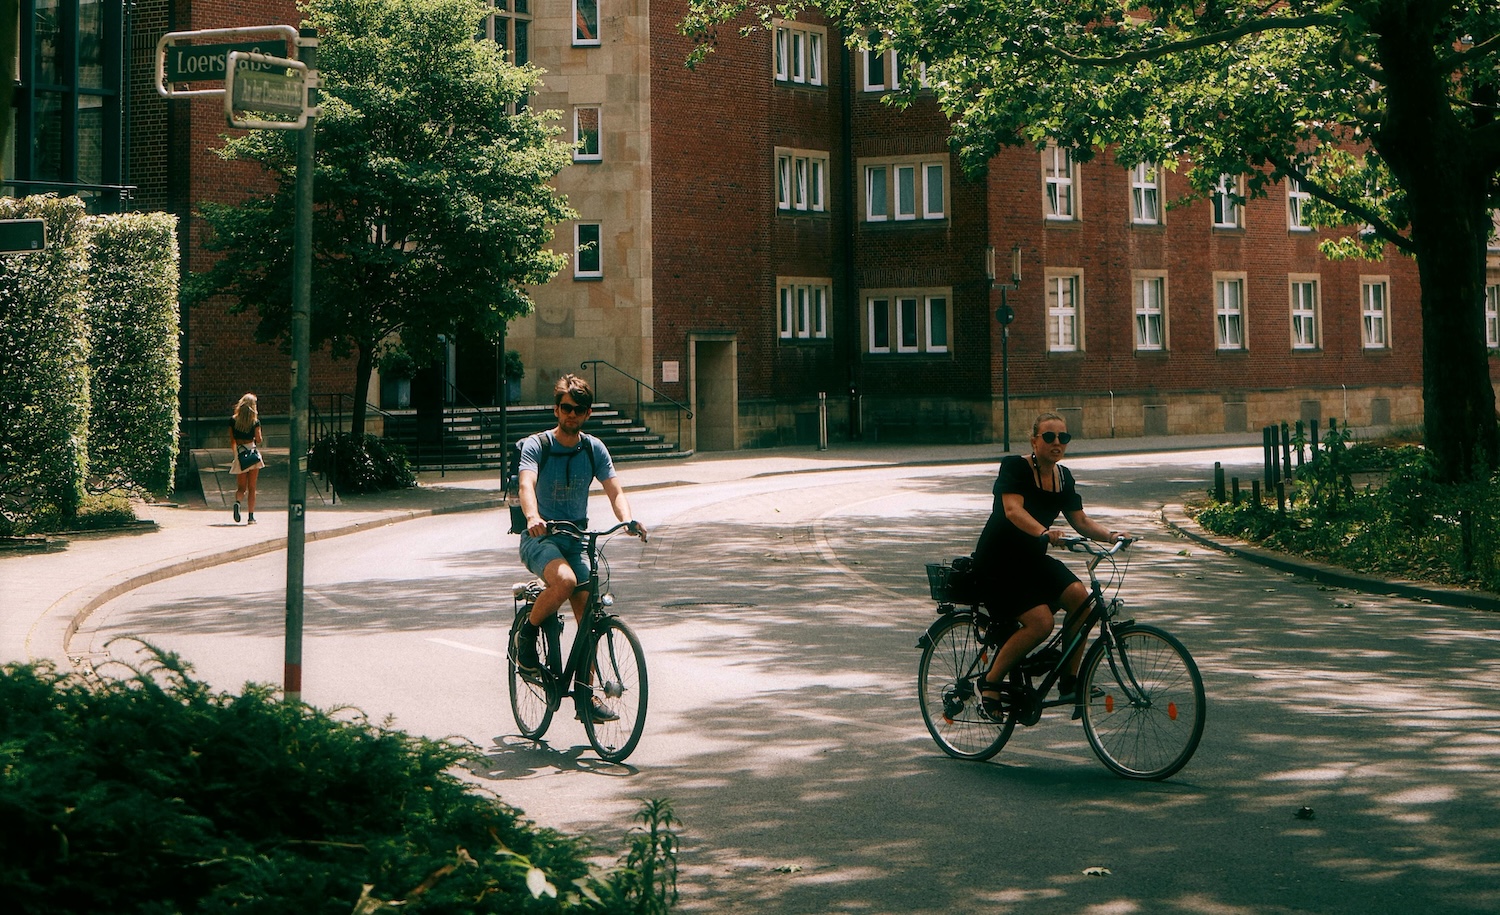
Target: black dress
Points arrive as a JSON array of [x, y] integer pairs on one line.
[[1015, 572]]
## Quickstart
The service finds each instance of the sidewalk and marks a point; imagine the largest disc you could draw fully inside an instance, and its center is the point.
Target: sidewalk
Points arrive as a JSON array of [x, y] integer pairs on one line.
[[45, 595]]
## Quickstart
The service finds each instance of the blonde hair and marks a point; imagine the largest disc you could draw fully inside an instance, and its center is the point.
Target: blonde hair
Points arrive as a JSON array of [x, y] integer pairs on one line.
[[246, 414], [1036, 426]]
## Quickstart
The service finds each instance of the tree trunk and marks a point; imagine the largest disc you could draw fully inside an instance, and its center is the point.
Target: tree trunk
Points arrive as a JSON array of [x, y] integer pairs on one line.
[[364, 367], [1446, 178]]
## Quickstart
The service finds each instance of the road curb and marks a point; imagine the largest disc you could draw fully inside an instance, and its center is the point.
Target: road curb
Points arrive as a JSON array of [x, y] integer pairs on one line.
[[1175, 518]]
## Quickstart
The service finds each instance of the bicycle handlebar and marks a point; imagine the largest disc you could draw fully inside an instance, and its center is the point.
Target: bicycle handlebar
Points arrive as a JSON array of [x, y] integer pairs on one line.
[[568, 527], [1085, 545]]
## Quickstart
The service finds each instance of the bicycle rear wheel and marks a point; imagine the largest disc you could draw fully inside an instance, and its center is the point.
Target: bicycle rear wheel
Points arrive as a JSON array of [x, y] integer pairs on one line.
[[945, 689], [530, 699], [617, 683], [1145, 712]]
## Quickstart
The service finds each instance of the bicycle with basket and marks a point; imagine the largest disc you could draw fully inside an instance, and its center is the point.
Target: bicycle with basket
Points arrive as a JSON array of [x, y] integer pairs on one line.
[[1140, 695]]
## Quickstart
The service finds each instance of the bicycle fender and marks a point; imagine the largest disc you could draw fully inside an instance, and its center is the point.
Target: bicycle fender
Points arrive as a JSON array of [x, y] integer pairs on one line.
[[926, 638]]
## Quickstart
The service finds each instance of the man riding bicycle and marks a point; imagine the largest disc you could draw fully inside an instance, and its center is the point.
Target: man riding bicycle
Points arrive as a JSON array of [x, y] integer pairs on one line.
[[556, 469]]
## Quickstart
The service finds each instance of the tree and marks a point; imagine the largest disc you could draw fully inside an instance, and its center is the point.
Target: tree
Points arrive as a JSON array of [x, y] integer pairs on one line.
[[1383, 110], [432, 203]]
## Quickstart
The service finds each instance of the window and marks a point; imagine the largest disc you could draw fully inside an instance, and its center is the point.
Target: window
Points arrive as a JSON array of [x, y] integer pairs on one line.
[[802, 306], [906, 189], [1492, 317], [1304, 313], [799, 52], [801, 180], [1296, 200], [510, 28], [1226, 203], [1494, 240], [588, 258], [1057, 169], [1229, 312], [585, 22], [586, 134], [1372, 298], [880, 66], [1145, 194], [1150, 295], [1064, 313], [908, 322]]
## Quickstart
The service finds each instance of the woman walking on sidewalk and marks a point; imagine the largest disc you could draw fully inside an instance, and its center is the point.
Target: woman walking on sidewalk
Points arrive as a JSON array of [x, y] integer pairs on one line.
[[245, 439]]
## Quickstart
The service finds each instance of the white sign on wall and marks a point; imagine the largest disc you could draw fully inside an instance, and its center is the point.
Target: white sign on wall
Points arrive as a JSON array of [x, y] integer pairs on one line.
[[668, 372]]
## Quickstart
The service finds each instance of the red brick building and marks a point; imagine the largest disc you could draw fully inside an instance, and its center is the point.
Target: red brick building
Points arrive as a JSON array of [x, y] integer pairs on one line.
[[764, 229]]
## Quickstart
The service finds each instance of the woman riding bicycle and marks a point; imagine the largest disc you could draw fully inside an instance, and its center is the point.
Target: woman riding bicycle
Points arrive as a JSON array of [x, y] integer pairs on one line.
[[1019, 581]]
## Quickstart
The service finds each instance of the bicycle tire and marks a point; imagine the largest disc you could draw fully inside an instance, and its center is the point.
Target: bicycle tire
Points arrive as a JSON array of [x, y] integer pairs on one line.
[[531, 702], [950, 708], [619, 683], [1153, 736]]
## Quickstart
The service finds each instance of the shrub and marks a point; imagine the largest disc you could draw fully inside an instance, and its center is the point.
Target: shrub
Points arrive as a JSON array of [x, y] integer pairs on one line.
[[154, 794], [133, 358], [364, 463]]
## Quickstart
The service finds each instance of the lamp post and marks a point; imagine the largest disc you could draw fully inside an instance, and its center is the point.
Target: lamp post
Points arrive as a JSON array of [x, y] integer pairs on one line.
[[1004, 314]]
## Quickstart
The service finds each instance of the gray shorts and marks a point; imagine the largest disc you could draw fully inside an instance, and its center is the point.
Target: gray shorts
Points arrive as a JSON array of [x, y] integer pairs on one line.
[[539, 552]]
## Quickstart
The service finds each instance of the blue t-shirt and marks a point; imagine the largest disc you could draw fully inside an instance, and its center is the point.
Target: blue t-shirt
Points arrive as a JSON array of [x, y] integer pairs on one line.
[[562, 486]]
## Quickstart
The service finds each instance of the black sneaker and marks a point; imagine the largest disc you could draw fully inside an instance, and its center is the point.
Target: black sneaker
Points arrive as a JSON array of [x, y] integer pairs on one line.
[[236, 513], [600, 711], [523, 652]]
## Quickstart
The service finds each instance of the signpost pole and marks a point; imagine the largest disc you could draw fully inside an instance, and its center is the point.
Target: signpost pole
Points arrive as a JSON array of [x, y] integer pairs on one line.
[[296, 532]]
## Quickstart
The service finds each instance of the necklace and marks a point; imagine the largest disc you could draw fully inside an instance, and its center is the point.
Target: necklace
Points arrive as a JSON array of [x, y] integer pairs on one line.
[[1036, 472]]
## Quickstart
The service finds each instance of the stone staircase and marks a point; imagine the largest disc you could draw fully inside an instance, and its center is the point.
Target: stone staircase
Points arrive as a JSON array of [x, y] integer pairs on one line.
[[472, 439]]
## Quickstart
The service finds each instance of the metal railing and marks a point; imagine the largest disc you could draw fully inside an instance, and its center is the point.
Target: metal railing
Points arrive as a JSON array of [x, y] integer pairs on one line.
[[639, 384], [97, 198]]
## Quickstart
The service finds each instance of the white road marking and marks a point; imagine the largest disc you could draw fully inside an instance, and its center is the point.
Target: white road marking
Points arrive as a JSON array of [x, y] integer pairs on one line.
[[474, 648]]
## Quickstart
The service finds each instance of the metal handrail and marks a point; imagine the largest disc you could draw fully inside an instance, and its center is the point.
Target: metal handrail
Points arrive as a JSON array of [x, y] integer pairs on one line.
[[681, 409]]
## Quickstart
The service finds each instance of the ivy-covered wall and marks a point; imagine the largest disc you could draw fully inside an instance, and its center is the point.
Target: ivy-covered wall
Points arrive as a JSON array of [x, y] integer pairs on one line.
[[88, 361]]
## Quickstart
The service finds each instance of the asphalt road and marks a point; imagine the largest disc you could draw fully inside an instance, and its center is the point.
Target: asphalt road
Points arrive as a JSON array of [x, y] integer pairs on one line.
[[779, 618]]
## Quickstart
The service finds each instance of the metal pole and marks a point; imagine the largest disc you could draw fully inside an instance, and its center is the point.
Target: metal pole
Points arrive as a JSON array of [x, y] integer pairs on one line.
[[296, 524], [1005, 373], [822, 420]]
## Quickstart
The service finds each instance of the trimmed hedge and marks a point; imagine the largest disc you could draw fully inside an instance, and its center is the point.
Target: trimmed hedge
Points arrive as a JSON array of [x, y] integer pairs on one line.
[[44, 382], [133, 329], [156, 795]]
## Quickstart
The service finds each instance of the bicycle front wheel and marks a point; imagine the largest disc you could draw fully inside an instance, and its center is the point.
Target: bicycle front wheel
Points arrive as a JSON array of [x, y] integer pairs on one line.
[[945, 688], [616, 716], [530, 699], [1144, 716]]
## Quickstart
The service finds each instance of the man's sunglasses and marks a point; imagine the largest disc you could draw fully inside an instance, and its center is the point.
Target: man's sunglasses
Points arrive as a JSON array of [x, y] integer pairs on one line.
[[574, 408], [1050, 437]]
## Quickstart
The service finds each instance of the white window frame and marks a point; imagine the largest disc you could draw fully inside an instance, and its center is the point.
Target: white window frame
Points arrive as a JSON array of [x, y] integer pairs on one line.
[[1149, 296], [909, 317], [905, 189], [579, 230], [1060, 199], [1296, 200], [1492, 316], [934, 305], [797, 53], [1145, 194], [1230, 315], [1375, 311], [802, 308], [579, 39], [1305, 292], [889, 79], [1226, 209], [801, 180], [578, 154], [1064, 311]]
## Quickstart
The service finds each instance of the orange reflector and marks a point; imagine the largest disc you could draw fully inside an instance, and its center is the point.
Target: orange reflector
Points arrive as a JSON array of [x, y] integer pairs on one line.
[[1109, 703], [1172, 710]]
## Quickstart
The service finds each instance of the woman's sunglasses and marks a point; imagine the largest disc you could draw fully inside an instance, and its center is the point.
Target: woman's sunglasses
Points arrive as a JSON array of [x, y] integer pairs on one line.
[[573, 408], [1050, 437]]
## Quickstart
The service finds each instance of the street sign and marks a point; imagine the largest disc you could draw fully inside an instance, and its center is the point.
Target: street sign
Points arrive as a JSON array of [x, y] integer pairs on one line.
[[202, 55], [266, 85], [19, 236], [207, 62]]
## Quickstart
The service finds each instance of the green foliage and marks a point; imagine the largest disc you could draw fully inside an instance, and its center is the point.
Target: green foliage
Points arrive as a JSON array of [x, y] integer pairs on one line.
[[649, 879], [433, 204], [1411, 525], [44, 380], [515, 369], [133, 353], [361, 463], [154, 795]]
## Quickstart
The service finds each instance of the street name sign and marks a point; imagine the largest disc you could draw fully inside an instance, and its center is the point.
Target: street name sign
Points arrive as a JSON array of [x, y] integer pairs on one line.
[[208, 62], [266, 85], [202, 55]]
